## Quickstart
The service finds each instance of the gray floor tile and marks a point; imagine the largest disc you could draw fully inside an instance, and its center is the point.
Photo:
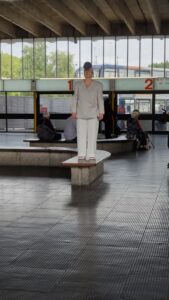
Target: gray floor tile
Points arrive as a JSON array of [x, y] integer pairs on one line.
[[108, 241]]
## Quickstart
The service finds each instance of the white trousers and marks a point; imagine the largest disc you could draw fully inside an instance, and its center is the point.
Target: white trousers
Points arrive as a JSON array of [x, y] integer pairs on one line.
[[87, 131]]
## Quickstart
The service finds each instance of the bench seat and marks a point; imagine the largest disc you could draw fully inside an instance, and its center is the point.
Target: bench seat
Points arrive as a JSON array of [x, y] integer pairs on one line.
[[35, 156], [114, 145], [83, 173]]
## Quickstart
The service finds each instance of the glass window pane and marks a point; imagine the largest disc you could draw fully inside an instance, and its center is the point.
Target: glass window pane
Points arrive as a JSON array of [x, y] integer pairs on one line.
[[16, 59], [158, 56], [133, 57], [121, 57], [39, 51], [20, 125], [2, 111], [6, 59], [97, 55], [161, 107], [62, 58], [20, 103], [167, 57], [85, 52], [51, 58], [28, 61], [146, 56], [2, 103], [2, 125], [73, 57], [109, 58]]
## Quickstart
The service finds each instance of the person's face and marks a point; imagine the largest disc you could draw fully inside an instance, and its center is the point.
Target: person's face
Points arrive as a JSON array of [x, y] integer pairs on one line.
[[135, 115], [88, 73]]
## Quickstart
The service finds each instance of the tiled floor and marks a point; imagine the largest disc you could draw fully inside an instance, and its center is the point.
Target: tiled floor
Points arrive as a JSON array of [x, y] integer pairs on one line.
[[108, 241]]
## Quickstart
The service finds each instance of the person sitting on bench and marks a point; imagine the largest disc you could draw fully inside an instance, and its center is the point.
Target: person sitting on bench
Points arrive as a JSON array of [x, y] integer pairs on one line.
[[70, 130], [135, 131], [45, 129]]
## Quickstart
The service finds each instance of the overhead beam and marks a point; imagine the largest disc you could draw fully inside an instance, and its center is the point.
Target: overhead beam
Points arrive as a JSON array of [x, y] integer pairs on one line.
[[39, 12], [21, 20], [4, 36], [68, 15], [154, 13], [7, 28], [96, 14], [120, 8]]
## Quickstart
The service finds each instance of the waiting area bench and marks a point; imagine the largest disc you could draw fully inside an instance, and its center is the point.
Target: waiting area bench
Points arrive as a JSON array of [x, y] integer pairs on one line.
[[81, 173], [114, 145], [35, 156]]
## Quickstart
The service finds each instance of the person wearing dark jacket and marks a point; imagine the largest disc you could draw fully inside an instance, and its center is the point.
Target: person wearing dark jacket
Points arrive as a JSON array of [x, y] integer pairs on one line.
[[45, 129]]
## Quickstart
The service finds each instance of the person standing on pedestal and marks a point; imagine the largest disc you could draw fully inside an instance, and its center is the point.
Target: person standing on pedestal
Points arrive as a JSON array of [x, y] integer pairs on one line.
[[88, 109]]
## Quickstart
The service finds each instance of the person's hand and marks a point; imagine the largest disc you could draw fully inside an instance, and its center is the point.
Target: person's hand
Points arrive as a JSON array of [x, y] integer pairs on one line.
[[100, 117], [74, 115]]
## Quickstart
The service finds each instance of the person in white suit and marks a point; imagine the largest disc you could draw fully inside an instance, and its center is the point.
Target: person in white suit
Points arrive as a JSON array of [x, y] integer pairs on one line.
[[88, 109]]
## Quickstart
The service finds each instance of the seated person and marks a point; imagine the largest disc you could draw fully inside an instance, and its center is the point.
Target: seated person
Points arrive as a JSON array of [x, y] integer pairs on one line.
[[135, 131], [70, 130], [45, 129]]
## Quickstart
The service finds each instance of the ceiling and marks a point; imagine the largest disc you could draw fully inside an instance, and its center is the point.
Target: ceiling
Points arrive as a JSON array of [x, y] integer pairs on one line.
[[74, 18]]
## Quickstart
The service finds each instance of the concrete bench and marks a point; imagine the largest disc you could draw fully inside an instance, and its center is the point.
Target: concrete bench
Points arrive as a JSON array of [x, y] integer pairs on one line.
[[114, 145], [83, 173], [35, 156]]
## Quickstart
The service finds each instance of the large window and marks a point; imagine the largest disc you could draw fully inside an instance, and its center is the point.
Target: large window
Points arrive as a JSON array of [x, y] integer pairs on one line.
[[36, 58]]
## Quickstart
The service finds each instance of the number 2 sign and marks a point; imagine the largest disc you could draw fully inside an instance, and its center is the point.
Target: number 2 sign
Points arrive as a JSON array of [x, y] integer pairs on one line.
[[148, 84]]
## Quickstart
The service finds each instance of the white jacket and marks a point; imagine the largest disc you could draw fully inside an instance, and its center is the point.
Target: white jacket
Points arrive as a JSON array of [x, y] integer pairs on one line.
[[87, 102]]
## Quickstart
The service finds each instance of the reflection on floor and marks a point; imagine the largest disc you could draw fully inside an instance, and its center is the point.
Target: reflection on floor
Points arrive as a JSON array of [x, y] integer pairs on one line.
[[107, 241]]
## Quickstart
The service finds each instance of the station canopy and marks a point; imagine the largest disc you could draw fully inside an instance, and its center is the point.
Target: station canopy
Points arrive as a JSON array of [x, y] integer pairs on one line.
[[82, 18]]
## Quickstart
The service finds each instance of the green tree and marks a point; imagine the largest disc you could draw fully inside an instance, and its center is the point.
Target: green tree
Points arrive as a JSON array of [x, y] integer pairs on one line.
[[5, 65], [6, 71], [61, 69], [38, 57], [160, 65]]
